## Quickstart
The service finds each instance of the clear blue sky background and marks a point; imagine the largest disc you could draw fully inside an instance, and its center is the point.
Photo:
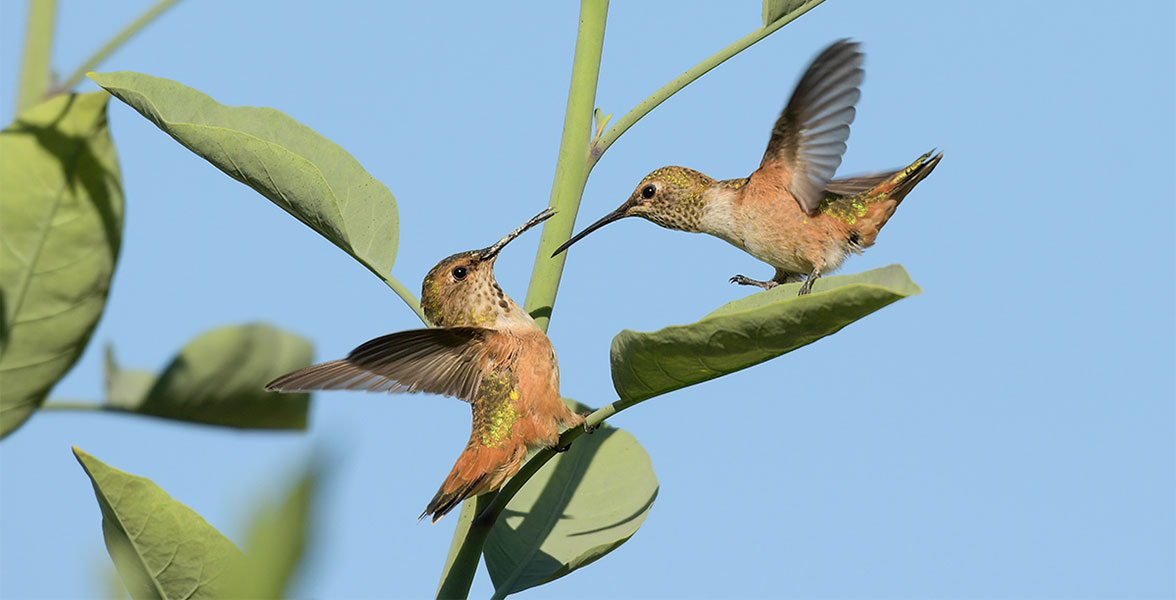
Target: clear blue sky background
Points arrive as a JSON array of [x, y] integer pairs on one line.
[[1009, 433]]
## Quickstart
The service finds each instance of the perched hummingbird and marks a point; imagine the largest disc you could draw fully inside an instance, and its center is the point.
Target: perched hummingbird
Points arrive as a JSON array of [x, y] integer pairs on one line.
[[790, 213], [484, 349]]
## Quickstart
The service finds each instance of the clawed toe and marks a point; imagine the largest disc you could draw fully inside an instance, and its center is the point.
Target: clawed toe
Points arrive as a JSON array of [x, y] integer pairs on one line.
[[744, 280]]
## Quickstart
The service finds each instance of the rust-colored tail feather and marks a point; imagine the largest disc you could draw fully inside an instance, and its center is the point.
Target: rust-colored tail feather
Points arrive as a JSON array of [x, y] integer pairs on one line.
[[479, 469], [885, 197], [444, 501]]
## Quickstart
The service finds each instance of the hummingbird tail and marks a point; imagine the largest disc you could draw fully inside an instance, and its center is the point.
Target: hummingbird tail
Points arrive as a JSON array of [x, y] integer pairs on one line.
[[883, 199], [479, 469], [444, 501]]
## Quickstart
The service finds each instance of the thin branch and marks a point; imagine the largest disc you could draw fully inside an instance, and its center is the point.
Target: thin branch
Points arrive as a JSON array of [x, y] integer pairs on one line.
[[115, 42], [34, 67], [572, 167], [681, 81], [79, 405], [405, 295]]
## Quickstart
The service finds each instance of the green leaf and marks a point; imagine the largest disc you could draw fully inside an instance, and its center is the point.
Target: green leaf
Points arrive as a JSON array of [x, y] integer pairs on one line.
[[61, 219], [161, 548], [276, 541], [219, 379], [776, 9], [581, 505], [304, 173], [749, 331]]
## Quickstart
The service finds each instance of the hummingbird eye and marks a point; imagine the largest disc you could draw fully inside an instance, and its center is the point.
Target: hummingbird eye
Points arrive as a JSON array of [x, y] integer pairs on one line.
[[648, 191], [459, 273]]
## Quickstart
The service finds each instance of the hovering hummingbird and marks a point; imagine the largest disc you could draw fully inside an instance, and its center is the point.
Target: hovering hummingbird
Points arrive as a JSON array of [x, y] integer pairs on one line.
[[790, 213], [484, 349]]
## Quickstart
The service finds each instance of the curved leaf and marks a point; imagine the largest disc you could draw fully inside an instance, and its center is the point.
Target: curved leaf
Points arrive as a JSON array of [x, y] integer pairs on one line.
[[219, 378], [581, 505], [749, 331], [61, 219], [161, 548], [304, 173]]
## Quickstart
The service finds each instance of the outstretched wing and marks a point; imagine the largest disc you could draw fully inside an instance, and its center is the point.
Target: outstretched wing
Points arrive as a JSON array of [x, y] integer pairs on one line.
[[852, 186], [809, 137], [446, 361]]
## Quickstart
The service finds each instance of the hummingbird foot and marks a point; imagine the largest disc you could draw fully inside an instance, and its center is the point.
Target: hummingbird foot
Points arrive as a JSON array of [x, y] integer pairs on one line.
[[808, 283], [744, 280], [588, 428], [561, 449]]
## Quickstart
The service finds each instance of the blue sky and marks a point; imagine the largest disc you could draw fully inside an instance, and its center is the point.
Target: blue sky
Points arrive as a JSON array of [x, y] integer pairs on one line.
[[1009, 433]]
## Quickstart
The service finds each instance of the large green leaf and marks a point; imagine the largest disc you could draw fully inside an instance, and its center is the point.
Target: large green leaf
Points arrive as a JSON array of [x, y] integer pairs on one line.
[[581, 505], [776, 9], [301, 171], [61, 219], [162, 549], [749, 331], [219, 378], [277, 539]]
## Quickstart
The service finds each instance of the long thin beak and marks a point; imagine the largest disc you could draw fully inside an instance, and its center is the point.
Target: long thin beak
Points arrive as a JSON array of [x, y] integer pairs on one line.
[[492, 251], [609, 218]]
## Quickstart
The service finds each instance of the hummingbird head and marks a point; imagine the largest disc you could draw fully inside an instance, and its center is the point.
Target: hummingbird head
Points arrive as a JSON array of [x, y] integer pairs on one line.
[[670, 196], [461, 289]]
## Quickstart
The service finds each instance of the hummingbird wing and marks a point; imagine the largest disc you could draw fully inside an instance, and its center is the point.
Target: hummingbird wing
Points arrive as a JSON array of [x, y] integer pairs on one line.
[[852, 186], [446, 361], [809, 137]]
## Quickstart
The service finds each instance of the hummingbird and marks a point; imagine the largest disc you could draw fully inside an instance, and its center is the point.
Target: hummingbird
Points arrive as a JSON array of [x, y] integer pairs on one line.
[[482, 348], [790, 212]]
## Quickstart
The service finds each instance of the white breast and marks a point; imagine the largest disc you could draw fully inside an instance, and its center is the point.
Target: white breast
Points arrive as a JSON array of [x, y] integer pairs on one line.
[[719, 219]]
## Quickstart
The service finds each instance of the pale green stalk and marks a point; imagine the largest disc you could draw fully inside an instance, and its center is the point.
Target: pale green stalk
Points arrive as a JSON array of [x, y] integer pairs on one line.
[[571, 170], [34, 66], [115, 42], [405, 295], [74, 405]]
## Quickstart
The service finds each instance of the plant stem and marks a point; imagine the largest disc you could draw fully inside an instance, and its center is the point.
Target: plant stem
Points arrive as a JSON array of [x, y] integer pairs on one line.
[[465, 551], [76, 405], [572, 168], [405, 295], [34, 67], [114, 43], [681, 81], [571, 173]]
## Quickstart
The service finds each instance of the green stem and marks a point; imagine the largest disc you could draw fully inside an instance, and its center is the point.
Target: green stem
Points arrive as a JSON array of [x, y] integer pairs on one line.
[[405, 295], [681, 81], [34, 67], [114, 43], [572, 168], [571, 173], [75, 405]]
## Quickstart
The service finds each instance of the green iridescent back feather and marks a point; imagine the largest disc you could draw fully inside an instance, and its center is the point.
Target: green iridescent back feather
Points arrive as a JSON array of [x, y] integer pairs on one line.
[[848, 208], [495, 412]]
